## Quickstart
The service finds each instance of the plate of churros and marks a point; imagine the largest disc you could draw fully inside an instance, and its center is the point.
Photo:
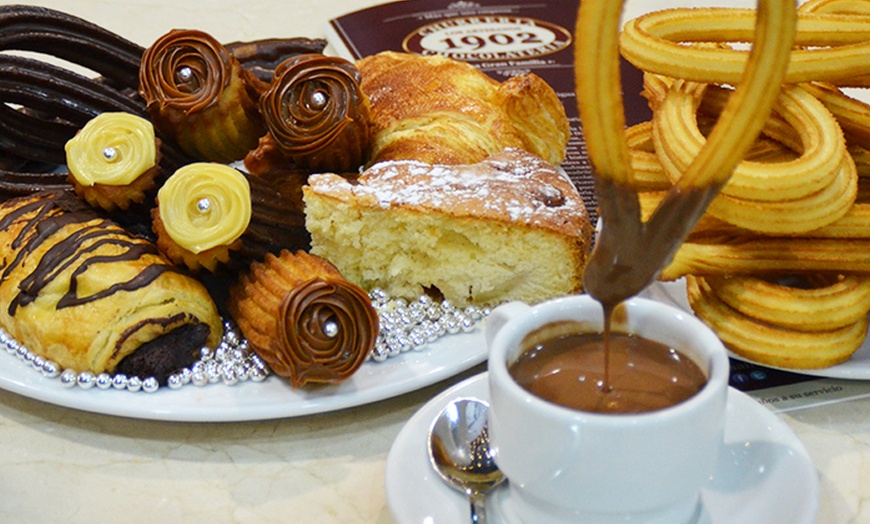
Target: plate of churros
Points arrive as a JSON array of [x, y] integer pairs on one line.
[[778, 264], [857, 367]]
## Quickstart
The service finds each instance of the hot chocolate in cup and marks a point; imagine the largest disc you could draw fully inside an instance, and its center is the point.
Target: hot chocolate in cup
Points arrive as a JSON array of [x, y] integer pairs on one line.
[[566, 464]]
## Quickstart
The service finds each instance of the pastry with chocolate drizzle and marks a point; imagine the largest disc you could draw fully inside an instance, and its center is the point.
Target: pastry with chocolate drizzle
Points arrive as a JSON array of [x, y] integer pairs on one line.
[[77, 289]]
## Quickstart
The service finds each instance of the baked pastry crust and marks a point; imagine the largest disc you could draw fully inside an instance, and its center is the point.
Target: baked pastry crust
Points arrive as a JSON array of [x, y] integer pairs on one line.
[[442, 111], [509, 228], [79, 290]]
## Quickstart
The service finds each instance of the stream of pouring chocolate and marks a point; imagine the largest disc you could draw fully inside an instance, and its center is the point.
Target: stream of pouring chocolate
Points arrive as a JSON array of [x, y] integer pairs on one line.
[[630, 253]]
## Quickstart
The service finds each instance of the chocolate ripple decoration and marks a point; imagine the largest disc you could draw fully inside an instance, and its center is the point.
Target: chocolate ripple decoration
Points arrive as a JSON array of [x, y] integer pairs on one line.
[[316, 113], [304, 319], [199, 95]]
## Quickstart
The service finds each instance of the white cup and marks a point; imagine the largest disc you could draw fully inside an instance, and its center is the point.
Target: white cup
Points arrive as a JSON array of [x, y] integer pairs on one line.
[[566, 465]]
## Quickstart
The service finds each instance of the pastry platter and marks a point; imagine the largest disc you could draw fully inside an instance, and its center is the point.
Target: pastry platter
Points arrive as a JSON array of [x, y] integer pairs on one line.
[[270, 399]]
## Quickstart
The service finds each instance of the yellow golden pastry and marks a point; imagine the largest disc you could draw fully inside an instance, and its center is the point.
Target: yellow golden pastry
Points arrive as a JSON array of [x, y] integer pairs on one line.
[[209, 215], [202, 211], [442, 111], [79, 290], [304, 319], [113, 160]]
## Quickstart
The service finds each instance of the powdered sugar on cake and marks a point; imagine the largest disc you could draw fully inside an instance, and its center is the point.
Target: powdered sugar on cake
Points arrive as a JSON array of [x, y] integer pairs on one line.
[[512, 185]]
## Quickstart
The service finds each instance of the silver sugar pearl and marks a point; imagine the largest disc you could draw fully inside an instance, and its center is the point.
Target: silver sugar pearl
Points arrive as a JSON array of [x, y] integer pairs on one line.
[[110, 153], [378, 295], [199, 378], [185, 374], [37, 362], [134, 384], [174, 381], [330, 329], [86, 380], [50, 369], [150, 385], [258, 375], [184, 73], [212, 371], [119, 381], [203, 204], [229, 376], [68, 378], [104, 381], [318, 100]]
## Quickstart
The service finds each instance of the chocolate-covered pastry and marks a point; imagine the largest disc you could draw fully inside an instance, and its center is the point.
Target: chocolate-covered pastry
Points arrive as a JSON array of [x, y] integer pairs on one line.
[[316, 114], [304, 319], [79, 290], [201, 97]]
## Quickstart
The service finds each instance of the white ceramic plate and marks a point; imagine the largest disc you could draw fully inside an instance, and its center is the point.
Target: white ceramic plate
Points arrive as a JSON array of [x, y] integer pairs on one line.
[[270, 399], [764, 473], [856, 368]]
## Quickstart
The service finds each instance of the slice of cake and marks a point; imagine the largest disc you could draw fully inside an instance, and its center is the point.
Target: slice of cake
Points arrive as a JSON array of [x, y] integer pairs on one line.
[[511, 227]]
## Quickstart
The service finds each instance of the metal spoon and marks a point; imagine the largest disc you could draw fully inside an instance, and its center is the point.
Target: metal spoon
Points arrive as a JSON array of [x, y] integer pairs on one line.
[[459, 452]]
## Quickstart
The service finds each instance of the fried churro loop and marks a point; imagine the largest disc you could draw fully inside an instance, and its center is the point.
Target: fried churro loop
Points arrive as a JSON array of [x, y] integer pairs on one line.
[[769, 255], [791, 217], [816, 303], [770, 344], [678, 139], [834, 47], [601, 111]]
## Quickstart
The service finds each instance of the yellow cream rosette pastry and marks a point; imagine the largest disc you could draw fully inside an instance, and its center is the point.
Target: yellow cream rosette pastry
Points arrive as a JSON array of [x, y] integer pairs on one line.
[[202, 211], [113, 160]]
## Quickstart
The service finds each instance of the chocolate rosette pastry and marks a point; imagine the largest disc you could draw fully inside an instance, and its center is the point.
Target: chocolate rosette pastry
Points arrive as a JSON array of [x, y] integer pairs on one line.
[[78, 289], [316, 113], [201, 97], [114, 160], [304, 319]]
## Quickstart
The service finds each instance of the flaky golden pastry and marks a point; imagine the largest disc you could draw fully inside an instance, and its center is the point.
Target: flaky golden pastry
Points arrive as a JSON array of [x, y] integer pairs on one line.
[[439, 110], [79, 290]]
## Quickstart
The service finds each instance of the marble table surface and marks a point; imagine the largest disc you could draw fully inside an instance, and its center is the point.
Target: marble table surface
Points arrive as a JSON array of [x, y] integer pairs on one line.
[[63, 465]]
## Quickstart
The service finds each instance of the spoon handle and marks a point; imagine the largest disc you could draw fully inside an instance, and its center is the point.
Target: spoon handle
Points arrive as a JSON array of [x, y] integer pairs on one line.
[[478, 508]]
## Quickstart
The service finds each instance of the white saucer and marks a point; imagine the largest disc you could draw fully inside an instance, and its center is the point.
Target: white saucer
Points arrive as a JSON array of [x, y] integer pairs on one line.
[[764, 473]]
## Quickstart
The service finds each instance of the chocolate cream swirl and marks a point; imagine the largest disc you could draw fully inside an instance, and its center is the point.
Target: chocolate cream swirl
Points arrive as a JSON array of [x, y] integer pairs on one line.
[[304, 319], [201, 96], [317, 114]]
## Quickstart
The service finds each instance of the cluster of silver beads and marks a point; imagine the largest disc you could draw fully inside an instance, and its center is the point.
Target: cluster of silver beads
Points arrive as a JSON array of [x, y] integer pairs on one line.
[[407, 326], [404, 326], [230, 363]]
